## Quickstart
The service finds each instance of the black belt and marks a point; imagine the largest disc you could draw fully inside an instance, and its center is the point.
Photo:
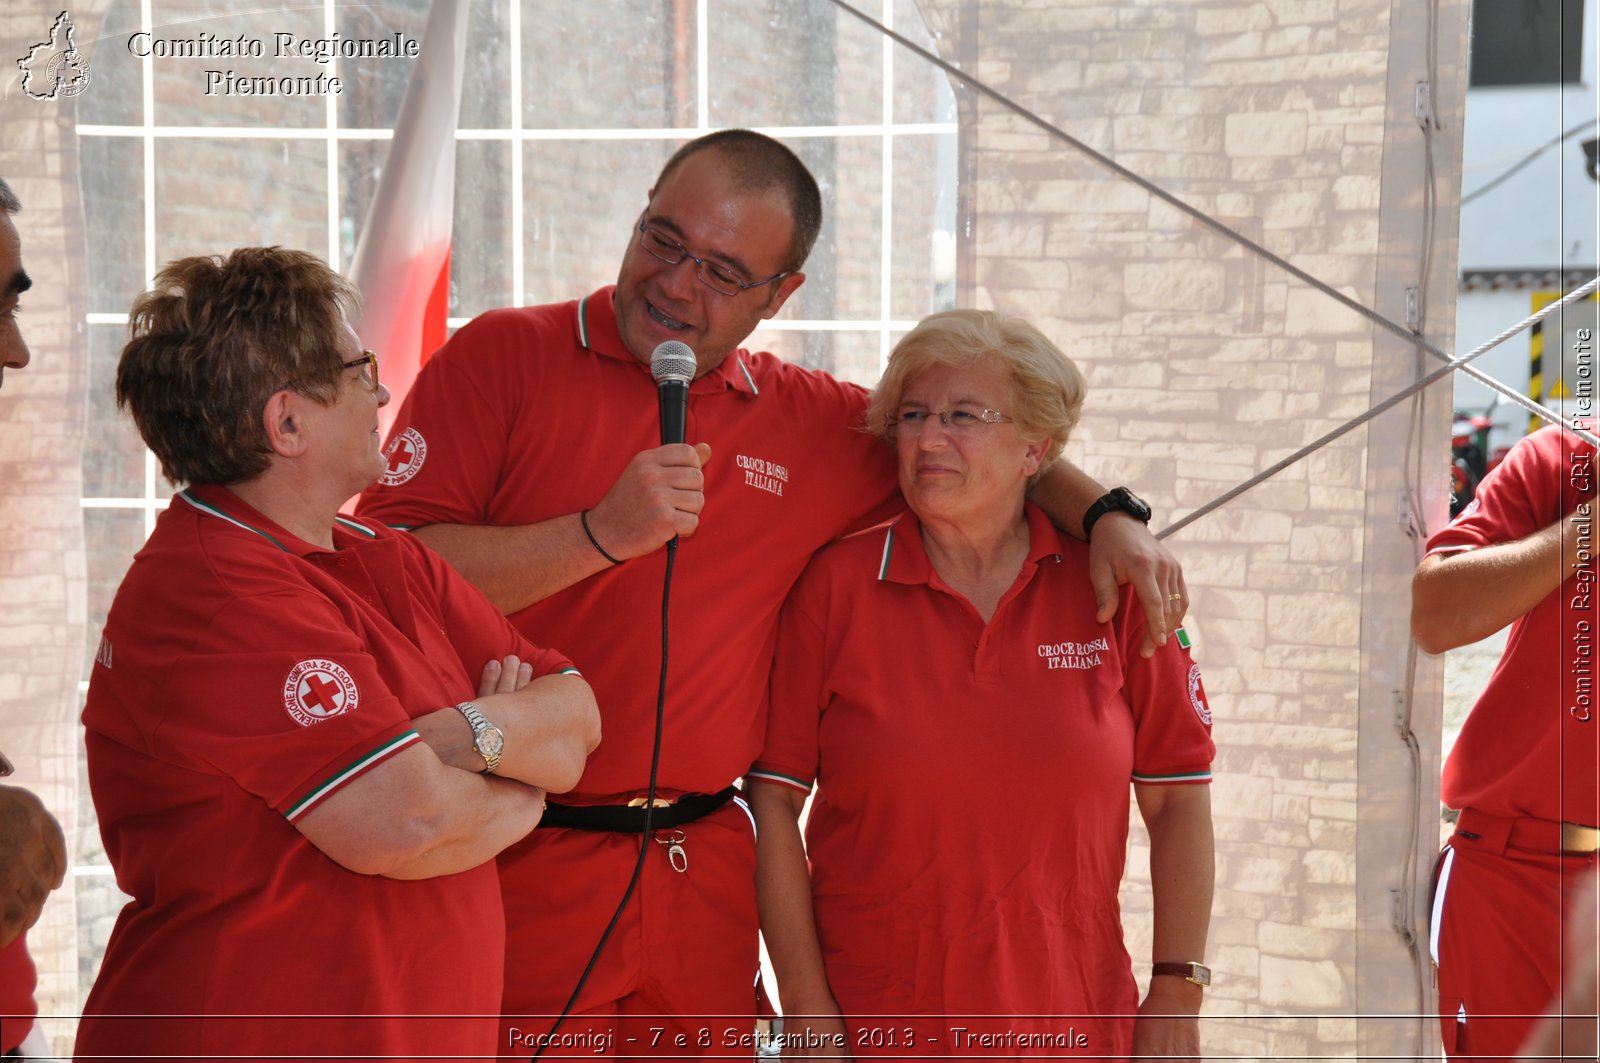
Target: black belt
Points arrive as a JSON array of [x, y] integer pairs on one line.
[[629, 819]]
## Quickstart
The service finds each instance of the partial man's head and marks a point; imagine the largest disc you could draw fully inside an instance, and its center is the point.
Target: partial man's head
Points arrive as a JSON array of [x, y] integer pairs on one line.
[[14, 281], [719, 247], [214, 338]]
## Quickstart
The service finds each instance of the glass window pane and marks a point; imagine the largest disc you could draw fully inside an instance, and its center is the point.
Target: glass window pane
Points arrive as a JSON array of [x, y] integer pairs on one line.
[[360, 165], [776, 62], [1535, 42], [215, 195], [844, 271], [113, 453], [921, 90], [372, 88], [922, 262], [486, 82], [115, 95], [624, 63], [582, 198], [199, 92], [111, 174], [480, 254]]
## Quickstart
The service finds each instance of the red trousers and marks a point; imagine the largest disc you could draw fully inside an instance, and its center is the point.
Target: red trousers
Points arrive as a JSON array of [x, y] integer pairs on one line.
[[1498, 933], [677, 976]]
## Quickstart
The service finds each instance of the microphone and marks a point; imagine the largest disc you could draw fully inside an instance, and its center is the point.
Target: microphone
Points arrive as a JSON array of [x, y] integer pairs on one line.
[[673, 364]]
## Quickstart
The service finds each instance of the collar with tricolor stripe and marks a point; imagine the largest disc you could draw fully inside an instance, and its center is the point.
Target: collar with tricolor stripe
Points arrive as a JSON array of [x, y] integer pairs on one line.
[[597, 332], [224, 505], [904, 559]]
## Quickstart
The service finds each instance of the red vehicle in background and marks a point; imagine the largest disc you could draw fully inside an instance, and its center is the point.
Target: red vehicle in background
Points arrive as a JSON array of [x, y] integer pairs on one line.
[[1470, 457]]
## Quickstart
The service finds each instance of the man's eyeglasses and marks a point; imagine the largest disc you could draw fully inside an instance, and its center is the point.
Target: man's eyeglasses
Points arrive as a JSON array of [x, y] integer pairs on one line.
[[957, 421], [719, 279], [370, 374]]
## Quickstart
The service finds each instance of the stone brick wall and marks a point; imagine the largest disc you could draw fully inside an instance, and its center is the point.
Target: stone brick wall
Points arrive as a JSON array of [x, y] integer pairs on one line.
[[1292, 123]]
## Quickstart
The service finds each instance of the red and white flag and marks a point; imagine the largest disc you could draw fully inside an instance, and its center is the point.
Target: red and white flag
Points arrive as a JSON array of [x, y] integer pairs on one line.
[[402, 262]]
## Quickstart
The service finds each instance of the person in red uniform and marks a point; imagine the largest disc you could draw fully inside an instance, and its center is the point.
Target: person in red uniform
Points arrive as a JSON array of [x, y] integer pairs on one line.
[[33, 852], [1570, 1026], [971, 729], [295, 781], [1522, 773], [527, 454]]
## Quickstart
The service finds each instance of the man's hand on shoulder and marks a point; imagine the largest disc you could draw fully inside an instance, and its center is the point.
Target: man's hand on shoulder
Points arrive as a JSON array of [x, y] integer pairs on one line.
[[1122, 550], [33, 860]]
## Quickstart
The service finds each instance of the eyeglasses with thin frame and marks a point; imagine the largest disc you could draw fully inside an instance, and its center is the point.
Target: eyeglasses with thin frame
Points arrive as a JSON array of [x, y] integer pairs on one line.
[[719, 279], [370, 374], [911, 422]]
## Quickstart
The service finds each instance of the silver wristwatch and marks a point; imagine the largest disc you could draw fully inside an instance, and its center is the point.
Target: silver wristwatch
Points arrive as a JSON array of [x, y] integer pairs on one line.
[[486, 737]]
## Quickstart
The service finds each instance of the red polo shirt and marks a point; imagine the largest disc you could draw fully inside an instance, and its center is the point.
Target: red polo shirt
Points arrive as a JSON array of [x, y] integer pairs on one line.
[[1529, 745], [17, 979], [243, 677], [528, 414], [968, 834]]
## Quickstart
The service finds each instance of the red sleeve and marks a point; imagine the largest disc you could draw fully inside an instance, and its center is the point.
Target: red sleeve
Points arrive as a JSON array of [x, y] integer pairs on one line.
[[478, 631], [274, 691], [1171, 716], [1543, 479], [796, 691], [448, 446]]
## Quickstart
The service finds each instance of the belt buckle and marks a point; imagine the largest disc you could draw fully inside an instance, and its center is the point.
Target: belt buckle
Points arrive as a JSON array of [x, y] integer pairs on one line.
[[639, 802], [1578, 838]]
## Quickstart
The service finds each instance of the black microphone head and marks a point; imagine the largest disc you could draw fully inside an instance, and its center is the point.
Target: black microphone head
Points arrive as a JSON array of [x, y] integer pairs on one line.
[[672, 362]]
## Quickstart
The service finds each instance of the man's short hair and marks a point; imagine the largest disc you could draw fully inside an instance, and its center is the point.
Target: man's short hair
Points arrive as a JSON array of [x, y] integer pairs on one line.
[[213, 339], [760, 164], [8, 199]]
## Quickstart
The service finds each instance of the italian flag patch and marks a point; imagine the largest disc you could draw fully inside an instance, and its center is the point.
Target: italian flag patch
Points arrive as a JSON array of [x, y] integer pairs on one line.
[[1182, 635]]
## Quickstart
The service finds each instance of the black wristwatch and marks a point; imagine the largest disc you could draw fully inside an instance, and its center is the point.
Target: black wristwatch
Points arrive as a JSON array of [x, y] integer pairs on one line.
[[1116, 500]]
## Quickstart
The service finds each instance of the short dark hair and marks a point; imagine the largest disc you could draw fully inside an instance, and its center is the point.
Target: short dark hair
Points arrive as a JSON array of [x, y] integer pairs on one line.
[[758, 163], [213, 339], [8, 199]]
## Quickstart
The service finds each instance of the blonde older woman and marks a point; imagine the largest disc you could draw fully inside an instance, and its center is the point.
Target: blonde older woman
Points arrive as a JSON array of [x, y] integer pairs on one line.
[[972, 731]]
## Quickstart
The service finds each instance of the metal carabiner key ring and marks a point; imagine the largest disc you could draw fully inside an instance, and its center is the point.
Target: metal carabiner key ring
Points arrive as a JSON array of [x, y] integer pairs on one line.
[[673, 840]]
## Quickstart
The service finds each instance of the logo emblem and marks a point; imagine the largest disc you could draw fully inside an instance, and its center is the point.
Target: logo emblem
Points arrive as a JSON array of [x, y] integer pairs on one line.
[[55, 67], [405, 455], [769, 476], [1197, 696], [317, 689]]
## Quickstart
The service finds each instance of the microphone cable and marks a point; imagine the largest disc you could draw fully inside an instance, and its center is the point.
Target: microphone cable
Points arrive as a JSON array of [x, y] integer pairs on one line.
[[649, 811]]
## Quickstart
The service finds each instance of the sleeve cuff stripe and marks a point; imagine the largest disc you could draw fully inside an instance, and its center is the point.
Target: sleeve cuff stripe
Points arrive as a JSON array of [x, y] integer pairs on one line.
[[370, 760], [570, 671], [803, 785], [1178, 777]]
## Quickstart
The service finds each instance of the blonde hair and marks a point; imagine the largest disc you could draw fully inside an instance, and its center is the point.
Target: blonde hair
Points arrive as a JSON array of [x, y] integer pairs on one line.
[[1046, 390]]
